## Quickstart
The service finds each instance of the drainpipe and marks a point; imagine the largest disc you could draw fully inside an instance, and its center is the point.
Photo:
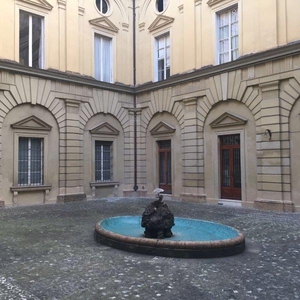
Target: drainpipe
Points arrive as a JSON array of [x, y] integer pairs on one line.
[[135, 187]]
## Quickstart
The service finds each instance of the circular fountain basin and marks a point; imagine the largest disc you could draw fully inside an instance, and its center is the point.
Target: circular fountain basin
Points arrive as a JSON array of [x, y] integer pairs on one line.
[[191, 238]]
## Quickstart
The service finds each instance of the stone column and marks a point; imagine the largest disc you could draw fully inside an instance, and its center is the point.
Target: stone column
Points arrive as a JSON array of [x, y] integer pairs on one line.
[[71, 158], [192, 153], [273, 152]]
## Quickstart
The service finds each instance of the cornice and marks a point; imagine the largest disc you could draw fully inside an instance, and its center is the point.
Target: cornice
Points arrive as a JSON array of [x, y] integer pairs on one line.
[[207, 71], [243, 62], [55, 75]]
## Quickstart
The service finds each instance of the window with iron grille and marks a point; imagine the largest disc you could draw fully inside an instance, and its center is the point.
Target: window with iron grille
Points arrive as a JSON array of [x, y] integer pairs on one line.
[[228, 36], [30, 161], [103, 161]]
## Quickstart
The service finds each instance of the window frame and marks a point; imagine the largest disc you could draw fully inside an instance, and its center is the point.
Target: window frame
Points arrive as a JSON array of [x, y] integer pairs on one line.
[[27, 134], [111, 60], [100, 8], [164, 4], [28, 160], [42, 51], [102, 158], [230, 49], [156, 59]]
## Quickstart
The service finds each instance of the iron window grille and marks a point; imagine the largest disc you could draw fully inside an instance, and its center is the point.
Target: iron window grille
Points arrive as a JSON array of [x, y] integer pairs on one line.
[[103, 161], [30, 161]]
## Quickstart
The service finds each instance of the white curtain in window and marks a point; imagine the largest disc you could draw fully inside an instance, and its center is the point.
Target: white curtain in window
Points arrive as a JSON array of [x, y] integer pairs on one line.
[[103, 62]]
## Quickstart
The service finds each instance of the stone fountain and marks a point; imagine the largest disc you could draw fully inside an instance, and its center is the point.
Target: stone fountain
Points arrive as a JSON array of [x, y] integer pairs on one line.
[[190, 238]]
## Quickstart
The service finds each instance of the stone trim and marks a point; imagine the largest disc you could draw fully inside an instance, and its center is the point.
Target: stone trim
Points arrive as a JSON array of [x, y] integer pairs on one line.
[[55, 75], [32, 123], [159, 22], [40, 3], [105, 129], [162, 128], [21, 189], [30, 188], [104, 23], [103, 183], [71, 197], [232, 120]]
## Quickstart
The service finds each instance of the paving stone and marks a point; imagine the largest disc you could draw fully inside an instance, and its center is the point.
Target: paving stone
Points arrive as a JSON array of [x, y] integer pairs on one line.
[[48, 252]]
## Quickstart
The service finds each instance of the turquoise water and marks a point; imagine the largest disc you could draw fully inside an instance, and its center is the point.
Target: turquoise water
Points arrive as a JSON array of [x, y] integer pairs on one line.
[[184, 229]]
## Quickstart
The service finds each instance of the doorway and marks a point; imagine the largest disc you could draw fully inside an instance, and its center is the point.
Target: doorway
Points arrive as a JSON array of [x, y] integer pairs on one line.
[[230, 167], [164, 167]]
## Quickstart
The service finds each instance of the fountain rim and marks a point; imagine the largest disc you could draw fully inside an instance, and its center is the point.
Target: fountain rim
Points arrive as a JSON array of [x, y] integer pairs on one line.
[[171, 248]]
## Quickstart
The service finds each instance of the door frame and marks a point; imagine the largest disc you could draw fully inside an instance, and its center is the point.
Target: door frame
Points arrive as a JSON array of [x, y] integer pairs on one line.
[[159, 150], [217, 163]]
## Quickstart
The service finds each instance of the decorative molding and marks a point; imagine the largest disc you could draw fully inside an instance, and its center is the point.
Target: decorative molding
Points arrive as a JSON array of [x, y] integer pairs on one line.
[[32, 123], [160, 22], [142, 26], [228, 119], [180, 7], [104, 23], [125, 26], [40, 3], [162, 128], [198, 2], [62, 4], [213, 2], [105, 129], [81, 10]]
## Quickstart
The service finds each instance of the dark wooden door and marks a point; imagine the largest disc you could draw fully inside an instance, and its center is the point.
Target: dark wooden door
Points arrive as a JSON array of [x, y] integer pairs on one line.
[[230, 160], [165, 171]]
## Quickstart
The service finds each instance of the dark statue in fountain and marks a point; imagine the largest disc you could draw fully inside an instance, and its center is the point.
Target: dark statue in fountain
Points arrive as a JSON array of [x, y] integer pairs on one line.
[[157, 219]]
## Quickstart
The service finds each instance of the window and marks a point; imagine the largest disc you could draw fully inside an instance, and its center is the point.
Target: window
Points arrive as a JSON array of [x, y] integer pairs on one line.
[[161, 5], [162, 53], [228, 38], [102, 6], [103, 58], [103, 161], [30, 161], [31, 40]]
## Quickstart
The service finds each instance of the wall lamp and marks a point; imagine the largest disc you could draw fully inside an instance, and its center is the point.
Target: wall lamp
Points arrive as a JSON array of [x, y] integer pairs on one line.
[[268, 133]]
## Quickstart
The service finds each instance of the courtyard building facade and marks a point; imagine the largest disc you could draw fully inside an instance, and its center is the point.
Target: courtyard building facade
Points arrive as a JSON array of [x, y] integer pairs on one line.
[[113, 98]]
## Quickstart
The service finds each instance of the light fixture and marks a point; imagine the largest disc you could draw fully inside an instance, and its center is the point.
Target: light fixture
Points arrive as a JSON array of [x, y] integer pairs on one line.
[[268, 133]]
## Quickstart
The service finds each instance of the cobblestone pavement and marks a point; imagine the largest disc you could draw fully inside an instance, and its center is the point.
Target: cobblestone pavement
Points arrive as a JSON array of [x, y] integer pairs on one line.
[[48, 252]]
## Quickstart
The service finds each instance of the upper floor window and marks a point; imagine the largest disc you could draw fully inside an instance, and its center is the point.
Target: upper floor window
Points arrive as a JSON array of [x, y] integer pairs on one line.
[[162, 57], [31, 41], [103, 58], [161, 5], [30, 162], [102, 6], [228, 38]]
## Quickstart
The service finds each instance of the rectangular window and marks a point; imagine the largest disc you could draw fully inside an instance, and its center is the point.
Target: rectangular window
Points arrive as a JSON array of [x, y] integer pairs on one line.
[[228, 38], [103, 161], [162, 57], [31, 42], [30, 162], [103, 58]]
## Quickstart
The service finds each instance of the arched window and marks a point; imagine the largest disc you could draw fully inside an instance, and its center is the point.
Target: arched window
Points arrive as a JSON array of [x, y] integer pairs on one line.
[[102, 5], [161, 5]]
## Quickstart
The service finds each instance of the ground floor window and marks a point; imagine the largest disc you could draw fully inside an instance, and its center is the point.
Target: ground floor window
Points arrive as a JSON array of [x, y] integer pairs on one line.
[[30, 161], [103, 161]]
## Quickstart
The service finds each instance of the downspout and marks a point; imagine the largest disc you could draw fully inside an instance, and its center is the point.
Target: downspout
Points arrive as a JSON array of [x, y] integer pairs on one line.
[[135, 187]]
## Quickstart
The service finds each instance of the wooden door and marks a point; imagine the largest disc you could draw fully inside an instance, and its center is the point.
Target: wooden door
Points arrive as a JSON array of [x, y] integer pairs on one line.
[[230, 160], [165, 170]]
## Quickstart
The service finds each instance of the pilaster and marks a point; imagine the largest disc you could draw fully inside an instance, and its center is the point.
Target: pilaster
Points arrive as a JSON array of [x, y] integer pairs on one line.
[[71, 162], [192, 154], [273, 152]]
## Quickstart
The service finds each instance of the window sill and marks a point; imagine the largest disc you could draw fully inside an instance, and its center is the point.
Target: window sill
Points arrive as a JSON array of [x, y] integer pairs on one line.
[[104, 183], [29, 188]]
